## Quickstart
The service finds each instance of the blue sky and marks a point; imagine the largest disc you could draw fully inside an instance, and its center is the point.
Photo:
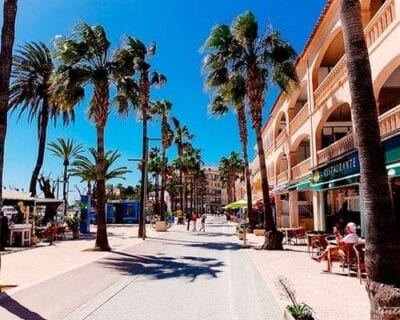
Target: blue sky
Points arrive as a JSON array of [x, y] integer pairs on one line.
[[179, 28]]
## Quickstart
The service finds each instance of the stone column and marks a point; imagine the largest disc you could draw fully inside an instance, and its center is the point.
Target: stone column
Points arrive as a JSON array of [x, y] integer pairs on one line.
[[293, 209], [278, 208], [319, 210]]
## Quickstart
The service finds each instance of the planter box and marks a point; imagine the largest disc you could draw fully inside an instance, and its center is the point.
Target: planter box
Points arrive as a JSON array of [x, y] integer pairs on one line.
[[240, 235], [161, 226], [259, 232], [287, 316]]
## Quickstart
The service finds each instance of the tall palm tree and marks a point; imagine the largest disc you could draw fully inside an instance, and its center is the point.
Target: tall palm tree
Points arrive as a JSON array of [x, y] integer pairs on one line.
[[137, 92], [162, 109], [233, 92], [382, 236], [85, 60], [7, 43], [85, 168], [258, 58], [228, 169], [182, 140], [67, 150], [155, 167], [30, 90]]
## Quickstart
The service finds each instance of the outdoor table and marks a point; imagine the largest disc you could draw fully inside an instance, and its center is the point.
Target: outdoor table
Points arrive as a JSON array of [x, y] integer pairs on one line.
[[25, 231], [319, 235], [287, 230]]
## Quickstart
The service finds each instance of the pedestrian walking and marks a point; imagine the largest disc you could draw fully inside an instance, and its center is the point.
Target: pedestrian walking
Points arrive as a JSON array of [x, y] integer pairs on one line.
[[188, 218], [194, 219], [203, 223]]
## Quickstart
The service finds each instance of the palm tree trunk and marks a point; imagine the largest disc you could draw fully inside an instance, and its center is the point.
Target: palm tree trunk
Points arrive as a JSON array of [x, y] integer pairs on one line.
[[7, 43], [101, 239], [65, 186], [243, 139], [43, 121], [382, 237], [163, 184], [101, 98], [144, 88]]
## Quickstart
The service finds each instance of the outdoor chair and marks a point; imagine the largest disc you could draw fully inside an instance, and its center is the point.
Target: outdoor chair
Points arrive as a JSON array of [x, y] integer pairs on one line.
[[359, 250], [317, 242], [347, 256], [61, 232]]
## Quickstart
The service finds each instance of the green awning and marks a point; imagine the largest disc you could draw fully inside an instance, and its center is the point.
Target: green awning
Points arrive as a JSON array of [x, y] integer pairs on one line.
[[349, 180], [301, 185], [393, 170]]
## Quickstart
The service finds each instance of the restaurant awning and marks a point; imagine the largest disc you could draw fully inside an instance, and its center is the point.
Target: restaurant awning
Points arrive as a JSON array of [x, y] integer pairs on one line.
[[348, 180], [301, 185], [280, 188]]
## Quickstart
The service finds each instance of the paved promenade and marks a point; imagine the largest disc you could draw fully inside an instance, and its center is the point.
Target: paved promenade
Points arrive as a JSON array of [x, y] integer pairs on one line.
[[199, 276]]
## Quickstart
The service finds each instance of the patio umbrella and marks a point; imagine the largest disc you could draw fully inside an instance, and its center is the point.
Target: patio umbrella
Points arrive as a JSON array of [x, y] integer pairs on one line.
[[237, 204]]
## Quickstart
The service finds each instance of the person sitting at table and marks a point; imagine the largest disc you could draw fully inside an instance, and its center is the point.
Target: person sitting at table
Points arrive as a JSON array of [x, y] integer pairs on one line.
[[333, 250]]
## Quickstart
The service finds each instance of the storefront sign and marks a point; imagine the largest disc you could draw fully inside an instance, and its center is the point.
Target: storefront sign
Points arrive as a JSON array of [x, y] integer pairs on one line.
[[337, 169]]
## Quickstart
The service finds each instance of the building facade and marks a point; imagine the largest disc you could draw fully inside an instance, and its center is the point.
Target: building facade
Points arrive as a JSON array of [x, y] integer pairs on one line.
[[215, 195], [311, 151]]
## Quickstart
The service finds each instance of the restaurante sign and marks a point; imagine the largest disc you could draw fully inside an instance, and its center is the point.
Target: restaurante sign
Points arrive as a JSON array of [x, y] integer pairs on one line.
[[340, 168]]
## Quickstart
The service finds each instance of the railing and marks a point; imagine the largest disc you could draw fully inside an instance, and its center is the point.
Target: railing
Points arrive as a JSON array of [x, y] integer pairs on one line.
[[281, 138], [301, 168], [282, 177], [298, 119], [390, 121], [331, 83], [379, 23], [336, 149]]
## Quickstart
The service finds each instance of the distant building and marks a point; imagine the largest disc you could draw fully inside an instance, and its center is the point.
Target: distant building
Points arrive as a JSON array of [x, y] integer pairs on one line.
[[215, 195]]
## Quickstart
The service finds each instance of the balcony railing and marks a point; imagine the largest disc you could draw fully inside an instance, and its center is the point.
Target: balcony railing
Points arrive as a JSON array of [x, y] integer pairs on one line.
[[282, 177], [390, 121], [336, 149], [281, 138], [298, 119], [375, 28], [379, 23], [331, 83], [301, 168]]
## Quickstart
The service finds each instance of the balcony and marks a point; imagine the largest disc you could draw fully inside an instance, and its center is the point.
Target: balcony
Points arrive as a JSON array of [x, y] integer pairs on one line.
[[282, 177], [375, 28], [301, 169], [331, 83], [379, 23], [281, 138], [337, 148], [390, 121], [299, 119]]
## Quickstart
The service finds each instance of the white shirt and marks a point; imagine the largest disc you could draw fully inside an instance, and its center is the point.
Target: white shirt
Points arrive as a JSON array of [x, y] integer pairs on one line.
[[351, 238]]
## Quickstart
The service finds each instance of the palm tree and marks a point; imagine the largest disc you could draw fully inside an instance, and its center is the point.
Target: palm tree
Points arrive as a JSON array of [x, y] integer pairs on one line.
[[228, 169], [30, 90], [85, 60], [85, 168], [155, 166], [382, 236], [182, 139], [233, 92], [137, 92], [239, 49], [162, 109], [7, 43], [67, 150]]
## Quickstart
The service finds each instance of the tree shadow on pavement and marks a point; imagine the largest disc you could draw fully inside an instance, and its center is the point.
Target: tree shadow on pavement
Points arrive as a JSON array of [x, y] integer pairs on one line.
[[221, 246], [162, 267], [17, 309]]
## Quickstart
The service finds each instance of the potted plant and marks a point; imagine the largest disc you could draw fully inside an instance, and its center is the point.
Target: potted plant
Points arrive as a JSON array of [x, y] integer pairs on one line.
[[296, 310], [239, 231], [259, 230], [73, 225]]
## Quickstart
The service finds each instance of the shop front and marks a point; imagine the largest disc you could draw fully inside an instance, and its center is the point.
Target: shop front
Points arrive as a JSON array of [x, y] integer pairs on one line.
[[336, 185]]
